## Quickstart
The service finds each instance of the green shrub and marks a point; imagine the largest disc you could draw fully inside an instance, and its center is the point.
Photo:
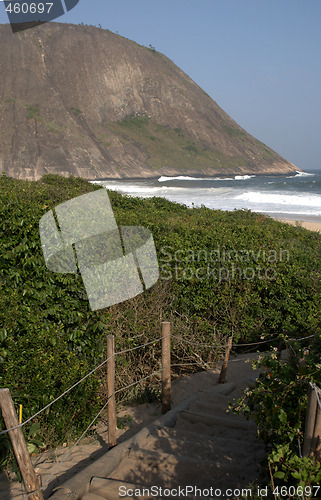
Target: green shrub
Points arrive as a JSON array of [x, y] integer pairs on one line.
[[278, 402], [54, 128], [32, 111], [192, 148], [76, 111], [234, 132]]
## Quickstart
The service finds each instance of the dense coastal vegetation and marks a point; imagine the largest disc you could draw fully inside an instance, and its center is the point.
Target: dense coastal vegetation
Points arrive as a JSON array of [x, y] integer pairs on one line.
[[221, 273], [278, 402]]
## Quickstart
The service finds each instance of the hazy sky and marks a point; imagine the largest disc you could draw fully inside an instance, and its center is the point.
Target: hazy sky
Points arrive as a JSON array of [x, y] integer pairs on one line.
[[260, 60]]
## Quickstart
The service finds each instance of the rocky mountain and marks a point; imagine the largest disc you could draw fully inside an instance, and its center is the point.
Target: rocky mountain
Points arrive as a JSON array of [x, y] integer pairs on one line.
[[84, 101]]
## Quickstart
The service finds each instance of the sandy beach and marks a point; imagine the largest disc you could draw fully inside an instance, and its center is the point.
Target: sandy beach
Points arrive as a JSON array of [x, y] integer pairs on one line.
[[311, 225]]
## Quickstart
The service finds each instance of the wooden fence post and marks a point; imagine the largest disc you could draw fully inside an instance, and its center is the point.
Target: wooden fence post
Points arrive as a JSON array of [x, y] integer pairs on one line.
[[111, 407], [316, 440], [312, 435], [222, 376], [28, 474], [310, 421], [166, 367]]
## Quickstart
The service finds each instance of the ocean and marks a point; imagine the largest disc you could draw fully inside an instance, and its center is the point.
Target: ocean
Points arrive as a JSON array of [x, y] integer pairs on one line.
[[296, 197]]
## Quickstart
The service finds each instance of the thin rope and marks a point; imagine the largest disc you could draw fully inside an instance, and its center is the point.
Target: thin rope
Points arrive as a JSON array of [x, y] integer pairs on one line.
[[253, 343], [292, 349], [195, 343], [273, 340], [189, 364], [136, 336], [143, 345], [303, 338], [138, 381]]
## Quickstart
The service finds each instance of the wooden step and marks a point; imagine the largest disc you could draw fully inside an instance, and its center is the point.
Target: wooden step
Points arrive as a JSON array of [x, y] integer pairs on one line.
[[204, 429], [214, 397], [222, 389], [206, 451], [211, 408], [114, 489], [169, 471], [109, 490], [186, 466], [233, 422], [93, 496], [203, 439]]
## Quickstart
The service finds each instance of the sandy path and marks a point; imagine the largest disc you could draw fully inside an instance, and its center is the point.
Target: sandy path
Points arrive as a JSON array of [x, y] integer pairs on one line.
[[203, 447]]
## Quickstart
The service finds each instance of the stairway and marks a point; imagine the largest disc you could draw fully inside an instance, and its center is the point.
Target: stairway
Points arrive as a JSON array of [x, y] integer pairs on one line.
[[205, 448]]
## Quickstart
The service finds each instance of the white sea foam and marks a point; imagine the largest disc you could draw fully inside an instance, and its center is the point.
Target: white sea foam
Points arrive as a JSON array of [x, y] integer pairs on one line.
[[300, 174], [303, 174], [164, 178], [236, 195], [274, 198], [139, 189], [243, 177], [222, 179]]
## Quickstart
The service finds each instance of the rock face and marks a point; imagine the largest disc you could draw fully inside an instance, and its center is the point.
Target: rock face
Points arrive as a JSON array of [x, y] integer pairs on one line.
[[81, 100]]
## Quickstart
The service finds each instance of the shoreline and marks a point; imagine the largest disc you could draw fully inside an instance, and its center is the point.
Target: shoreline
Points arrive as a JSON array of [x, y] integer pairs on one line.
[[202, 176]]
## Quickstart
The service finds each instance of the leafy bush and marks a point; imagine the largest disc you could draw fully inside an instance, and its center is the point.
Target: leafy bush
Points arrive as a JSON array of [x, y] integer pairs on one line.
[[278, 402]]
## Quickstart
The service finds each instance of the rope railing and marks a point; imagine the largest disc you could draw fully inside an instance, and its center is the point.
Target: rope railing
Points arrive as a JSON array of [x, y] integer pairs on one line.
[[75, 385], [162, 370], [34, 489], [88, 374], [304, 338], [275, 339], [254, 343], [222, 347], [193, 343]]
